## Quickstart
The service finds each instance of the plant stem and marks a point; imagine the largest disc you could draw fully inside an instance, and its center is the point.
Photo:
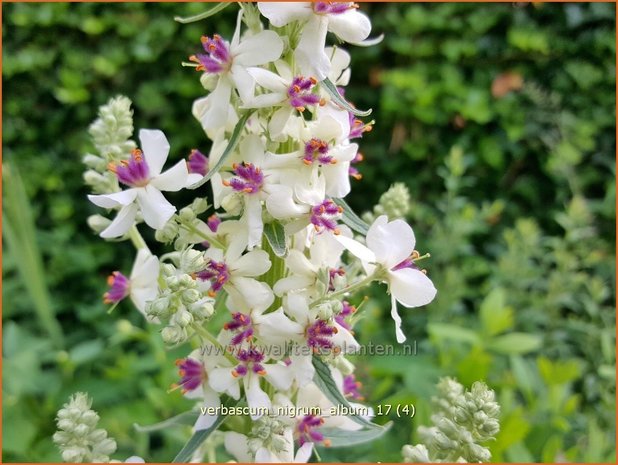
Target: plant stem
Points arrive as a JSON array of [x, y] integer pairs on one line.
[[137, 239], [346, 290], [205, 334]]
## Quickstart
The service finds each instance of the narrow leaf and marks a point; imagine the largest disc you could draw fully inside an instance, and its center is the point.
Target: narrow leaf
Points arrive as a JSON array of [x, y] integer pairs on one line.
[[226, 153], [339, 100], [352, 219], [200, 436], [276, 238], [343, 438], [207, 14], [325, 382], [184, 419], [19, 232]]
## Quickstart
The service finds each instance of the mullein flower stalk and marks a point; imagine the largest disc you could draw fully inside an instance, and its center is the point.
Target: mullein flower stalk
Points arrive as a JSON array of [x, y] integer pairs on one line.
[[284, 153], [462, 422]]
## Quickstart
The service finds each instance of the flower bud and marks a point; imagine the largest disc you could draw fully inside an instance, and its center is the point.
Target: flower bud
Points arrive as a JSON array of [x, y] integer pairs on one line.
[[199, 205], [192, 260], [98, 223], [94, 162], [186, 214], [168, 232], [173, 335], [415, 454]]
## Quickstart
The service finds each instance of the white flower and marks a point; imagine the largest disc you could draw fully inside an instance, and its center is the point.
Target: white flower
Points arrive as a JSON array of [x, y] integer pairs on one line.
[[324, 149], [141, 286], [229, 61], [194, 373], [234, 272], [342, 19], [390, 245], [142, 173]]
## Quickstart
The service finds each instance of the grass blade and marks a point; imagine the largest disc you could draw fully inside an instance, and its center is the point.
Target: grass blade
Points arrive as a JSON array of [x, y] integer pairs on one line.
[[19, 232]]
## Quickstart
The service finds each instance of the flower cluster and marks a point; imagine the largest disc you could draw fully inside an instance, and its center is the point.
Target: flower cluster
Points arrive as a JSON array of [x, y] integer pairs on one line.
[[282, 255], [78, 437], [462, 421]]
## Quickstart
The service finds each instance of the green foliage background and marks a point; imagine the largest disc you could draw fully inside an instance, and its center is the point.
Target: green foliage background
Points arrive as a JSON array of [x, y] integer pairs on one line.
[[513, 195]]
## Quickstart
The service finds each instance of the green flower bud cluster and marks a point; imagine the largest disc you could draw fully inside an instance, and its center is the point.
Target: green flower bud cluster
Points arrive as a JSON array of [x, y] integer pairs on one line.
[[112, 130], [185, 228], [181, 303], [463, 420], [394, 203], [78, 437], [268, 432]]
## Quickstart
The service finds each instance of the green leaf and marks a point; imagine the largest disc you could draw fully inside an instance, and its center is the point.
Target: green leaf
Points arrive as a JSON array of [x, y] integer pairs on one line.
[[184, 419], [86, 351], [446, 332], [276, 238], [343, 438], [200, 436], [352, 219], [19, 232], [331, 89], [207, 14], [495, 317], [515, 343], [227, 152], [325, 382]]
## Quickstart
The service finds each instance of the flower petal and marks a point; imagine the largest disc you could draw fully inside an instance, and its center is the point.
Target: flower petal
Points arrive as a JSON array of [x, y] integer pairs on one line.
[[173, 179], [303, 454], [259, 49], [279, 14], [411, 287], [253, 263], [279, 375], [117, 199], [121, 224], [392, 242], [236, 444], [155, 208], [309, 53], [395, 315], [356, 248], [350, 26], [155, 147], [256, 398]]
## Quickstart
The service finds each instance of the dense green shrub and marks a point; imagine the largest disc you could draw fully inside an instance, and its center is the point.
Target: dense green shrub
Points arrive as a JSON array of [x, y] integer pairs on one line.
[[500, 120]]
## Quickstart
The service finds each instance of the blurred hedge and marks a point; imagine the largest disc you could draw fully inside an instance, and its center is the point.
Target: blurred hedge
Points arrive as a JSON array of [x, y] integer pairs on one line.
[[501, 121]]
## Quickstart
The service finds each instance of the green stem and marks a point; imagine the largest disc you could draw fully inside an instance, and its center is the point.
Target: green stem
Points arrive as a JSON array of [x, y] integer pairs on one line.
[[346, 290], [137, 239], [205, 334], [211, 240]]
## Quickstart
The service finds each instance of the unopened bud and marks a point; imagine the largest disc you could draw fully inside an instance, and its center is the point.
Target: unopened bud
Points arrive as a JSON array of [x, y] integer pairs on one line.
[[98, 223]]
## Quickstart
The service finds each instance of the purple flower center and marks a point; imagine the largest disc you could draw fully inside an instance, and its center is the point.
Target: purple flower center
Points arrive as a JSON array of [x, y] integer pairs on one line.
[[352, 171], [197, 163], [218, 58], [119, 288], [249, 178], [319, 335], [241, 324], [407, 263], [133, 172], [217, 273], [351, 388], [250, 360], [213, 222], [300, 93], [307, 430], [357, 127], [317, 149], [332, 274], [345, 312], [325, 215], [333, 8], [191, 372]]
